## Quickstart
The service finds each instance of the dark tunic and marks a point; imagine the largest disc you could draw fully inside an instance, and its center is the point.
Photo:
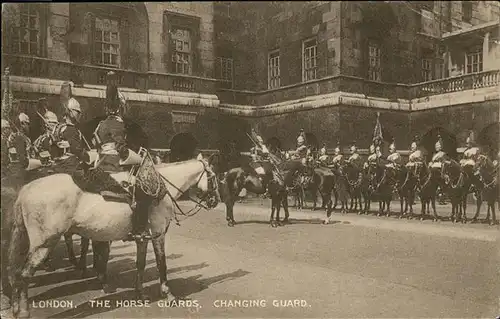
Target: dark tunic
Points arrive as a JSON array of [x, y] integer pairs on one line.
[[110, 139], [15, 159]]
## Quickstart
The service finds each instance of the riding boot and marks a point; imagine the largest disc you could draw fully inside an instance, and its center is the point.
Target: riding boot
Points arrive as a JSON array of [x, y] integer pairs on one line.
[[140, 230]]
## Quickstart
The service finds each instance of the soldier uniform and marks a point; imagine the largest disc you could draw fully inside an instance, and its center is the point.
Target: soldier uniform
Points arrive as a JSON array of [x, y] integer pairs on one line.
[[439, 156], [301, 151], [416, 157], [323, 157], [471, 153], [355, 159], [372, 158], [44, 146], [338, 158], [394, 158]]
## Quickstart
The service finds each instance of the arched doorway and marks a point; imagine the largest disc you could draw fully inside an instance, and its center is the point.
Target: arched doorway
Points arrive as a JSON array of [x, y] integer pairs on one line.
[[182, 147], [489, 139], [430, 138]]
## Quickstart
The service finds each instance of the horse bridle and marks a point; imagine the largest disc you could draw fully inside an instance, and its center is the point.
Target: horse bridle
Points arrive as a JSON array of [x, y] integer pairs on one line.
[[209, 194]]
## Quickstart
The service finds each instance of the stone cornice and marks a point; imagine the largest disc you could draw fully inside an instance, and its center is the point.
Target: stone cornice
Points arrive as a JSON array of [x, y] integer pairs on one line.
[[48, 86]]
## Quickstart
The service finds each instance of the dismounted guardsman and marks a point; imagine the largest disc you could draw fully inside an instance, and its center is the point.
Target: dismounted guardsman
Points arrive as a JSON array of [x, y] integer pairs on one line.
[[416, 157], [110, 139], [323, 157], [471, 152], [439, 156], [394, 157]]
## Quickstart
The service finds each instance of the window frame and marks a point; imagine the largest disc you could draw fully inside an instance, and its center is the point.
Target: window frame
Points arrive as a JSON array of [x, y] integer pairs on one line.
[[426, 69], [96, 43], [467, 14], [221, 73], [314, 58], [273, 69], [175, 52], [374, 69], [17, 41], [477, 53]]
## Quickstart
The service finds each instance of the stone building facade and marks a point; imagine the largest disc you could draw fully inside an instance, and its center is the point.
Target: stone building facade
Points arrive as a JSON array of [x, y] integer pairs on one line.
[[330, 67], [213, 70]]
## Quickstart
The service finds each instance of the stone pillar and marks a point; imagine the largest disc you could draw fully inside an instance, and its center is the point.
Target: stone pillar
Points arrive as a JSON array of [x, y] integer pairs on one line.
[[487, 58], [57, 28], [156, 34]]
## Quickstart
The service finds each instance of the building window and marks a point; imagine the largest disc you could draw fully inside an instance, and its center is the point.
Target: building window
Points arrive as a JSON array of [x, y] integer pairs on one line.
[[107, 42], [426, 70], [440, 70], [309, 60], [474, 61], [467, 11], [374, 73], [27, 33], [273, 68], [225, 72], [182, 58]]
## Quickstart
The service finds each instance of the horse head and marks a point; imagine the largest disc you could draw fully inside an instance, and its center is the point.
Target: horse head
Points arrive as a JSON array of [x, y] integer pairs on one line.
[[208, 183]]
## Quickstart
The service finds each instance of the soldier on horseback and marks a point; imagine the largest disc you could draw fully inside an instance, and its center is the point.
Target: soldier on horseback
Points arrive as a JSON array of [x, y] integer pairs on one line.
[[395, 160], [110, 139], [416, 157], [355, 160], [323, 157], [44, 146], [439, 156], [372, 158], [338, 157], [302, 151], [471, 153]]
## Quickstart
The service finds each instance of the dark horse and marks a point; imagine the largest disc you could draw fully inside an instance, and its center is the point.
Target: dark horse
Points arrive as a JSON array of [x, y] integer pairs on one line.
[[245, 177], [488, 177], [456, 185], [378, 187]]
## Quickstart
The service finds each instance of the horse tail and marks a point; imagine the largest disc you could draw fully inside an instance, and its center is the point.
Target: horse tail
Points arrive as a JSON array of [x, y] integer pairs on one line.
[[19, 243]]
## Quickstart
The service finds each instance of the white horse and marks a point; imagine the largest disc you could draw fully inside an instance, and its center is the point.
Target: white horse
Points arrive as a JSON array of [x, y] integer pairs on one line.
[[51, 206]]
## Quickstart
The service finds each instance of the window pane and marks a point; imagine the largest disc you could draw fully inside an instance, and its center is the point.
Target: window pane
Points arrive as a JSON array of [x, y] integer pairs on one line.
[[107, 36]]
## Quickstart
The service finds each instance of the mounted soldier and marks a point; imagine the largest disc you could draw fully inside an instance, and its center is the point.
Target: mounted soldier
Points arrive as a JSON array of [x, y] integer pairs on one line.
[[394, 158], [471, 153], [372, 158], [113, 153], [416, 157], [302, 151], [355, 159], [439, 156], [338, 158], [72, 149], [323, 158], [44, 146]]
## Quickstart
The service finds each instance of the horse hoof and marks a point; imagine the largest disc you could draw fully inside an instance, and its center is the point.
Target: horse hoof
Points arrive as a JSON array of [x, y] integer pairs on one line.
[[140, 295], [326, 222]]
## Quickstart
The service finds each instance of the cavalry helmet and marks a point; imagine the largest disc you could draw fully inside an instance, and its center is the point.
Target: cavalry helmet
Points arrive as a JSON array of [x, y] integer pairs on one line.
[[5, 123], [353, 148], [50, 117], [413, 146], [392, 147], [323, 150], [439, 143], [300, 139], [74, 105], [259, 139], [470, 139], [23, 118]]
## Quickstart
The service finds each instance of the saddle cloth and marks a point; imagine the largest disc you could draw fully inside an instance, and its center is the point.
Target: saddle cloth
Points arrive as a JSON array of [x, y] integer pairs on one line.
[[467, 162], [436, 165]]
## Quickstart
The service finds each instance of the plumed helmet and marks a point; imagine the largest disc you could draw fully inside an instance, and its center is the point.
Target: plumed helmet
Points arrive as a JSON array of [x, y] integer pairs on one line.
[[414, 145], [5, 123], [300, 139], [323, 150], [23, 118], [392, 147], [74, 105], [470, 139], [50, 117], [354, 148], [439, 143], [67, 85], [259, 139]]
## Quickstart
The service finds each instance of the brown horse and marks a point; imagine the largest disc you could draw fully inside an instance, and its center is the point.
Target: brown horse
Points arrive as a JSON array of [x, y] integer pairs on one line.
[[487, 174]]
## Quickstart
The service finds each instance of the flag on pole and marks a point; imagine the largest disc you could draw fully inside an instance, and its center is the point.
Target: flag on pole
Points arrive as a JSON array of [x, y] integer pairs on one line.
[[377, 132]]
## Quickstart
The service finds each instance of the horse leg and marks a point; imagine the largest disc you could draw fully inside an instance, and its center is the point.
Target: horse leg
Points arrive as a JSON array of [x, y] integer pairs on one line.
[[464, 208], [493, 213], [388, 207], [82, 263], [314, 192], [68, 240], [37, 254], [336, 198], [285, 208], [142, 249], [433, 203], [479, 198], [229, 212], [101, 256], [273, 207]]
